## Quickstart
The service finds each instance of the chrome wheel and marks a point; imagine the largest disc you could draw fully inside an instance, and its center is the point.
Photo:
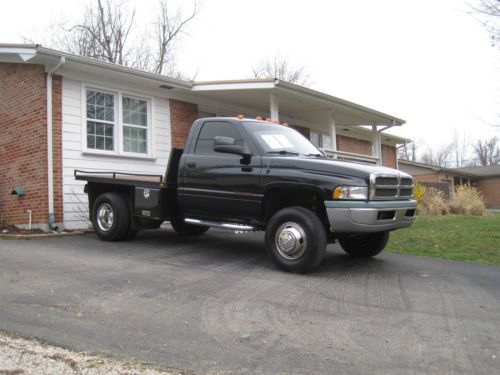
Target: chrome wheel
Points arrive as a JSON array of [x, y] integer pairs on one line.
[[105, 217], [290, 240]]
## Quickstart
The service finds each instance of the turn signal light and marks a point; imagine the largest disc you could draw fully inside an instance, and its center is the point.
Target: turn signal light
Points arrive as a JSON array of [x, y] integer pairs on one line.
[[337, 192]]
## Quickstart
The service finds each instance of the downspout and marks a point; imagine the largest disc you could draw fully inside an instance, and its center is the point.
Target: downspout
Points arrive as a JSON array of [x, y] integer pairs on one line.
[[50, 168], [397, 149], [380, 142]]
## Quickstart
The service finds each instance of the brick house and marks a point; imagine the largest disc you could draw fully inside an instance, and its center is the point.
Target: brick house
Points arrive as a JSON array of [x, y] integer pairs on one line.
[[105, 116], [485, 179]]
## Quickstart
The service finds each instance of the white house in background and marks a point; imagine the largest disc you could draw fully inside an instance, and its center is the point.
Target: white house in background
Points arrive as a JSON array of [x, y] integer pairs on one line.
[[104, 116]]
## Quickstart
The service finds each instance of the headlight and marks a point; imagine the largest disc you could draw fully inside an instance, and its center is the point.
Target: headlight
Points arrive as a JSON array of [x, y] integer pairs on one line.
[[350, 192]]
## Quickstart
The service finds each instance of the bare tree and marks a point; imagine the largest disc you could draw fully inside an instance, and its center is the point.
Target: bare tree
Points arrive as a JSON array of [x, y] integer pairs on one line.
[[279, 67], [103, 32], [409, 151], [488, 151], [439, 157], [459, 149], [108, 32], [167, 30], [488, 12]]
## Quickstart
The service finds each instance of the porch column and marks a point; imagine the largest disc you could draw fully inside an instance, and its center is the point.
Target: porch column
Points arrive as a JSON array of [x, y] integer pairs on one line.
[[376, 143], [333, 133], [273, 107]]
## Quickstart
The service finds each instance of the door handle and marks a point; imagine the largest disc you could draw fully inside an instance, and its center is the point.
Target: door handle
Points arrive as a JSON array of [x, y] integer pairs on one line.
[[247, 169], [190, 165]]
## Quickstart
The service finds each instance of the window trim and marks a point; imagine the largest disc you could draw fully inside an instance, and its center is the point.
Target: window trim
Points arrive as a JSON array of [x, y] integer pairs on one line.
[[85, 119], [118, 123]]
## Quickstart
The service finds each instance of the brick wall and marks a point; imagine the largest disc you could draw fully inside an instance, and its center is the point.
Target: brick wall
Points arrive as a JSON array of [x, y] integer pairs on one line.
[[23, 144], [182, 116], [490, 188], [389, 156], [57, 146], [355, 145]]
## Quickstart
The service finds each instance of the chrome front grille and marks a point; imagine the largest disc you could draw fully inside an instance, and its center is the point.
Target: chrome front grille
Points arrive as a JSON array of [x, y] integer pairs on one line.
[[390, 186]]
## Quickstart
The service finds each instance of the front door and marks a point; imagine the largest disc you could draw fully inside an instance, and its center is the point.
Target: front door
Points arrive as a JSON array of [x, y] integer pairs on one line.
[[217, 185]]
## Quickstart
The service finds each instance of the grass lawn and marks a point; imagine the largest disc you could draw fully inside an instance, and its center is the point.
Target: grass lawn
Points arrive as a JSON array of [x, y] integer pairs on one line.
[[466, 238]]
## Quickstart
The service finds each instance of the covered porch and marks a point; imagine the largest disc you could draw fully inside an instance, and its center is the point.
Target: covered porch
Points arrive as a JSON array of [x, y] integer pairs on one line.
[[344, 130]]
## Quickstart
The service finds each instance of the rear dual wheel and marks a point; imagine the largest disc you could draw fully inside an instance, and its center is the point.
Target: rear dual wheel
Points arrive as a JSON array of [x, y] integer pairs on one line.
[[111, 218]]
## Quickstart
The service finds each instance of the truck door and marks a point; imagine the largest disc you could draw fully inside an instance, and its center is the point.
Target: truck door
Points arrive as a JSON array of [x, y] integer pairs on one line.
[[218, 185]]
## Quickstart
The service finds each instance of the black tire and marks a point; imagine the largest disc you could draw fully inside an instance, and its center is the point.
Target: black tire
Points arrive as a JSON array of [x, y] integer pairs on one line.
[[116, 227], [185, 229], [130, 234], [303, 233], [364, 245]]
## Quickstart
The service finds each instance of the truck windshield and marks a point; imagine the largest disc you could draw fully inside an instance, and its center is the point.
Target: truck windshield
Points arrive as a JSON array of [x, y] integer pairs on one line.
[[280, 140]]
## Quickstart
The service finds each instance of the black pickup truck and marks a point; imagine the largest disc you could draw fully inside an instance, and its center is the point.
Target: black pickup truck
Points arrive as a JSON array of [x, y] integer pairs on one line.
[[247, 175]]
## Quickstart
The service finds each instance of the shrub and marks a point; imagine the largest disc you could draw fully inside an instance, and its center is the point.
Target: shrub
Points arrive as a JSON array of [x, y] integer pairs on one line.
[[419, 194], [434, 203], [467, 201]]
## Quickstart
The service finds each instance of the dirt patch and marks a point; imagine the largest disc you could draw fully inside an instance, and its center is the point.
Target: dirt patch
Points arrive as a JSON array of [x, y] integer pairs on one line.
[[12, 229], [19, 356]]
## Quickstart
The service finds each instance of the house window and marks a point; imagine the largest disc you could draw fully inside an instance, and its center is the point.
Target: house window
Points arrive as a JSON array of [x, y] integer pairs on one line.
[[100, 120], [117, 122], [135, 125]]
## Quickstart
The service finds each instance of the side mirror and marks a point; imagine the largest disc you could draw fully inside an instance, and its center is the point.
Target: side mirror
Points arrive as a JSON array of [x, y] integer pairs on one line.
[[228, 145]]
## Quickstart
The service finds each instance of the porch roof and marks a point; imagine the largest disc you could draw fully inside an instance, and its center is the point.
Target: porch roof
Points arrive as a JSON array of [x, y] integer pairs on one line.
[[481, 171], [293, 100], [428, 168]]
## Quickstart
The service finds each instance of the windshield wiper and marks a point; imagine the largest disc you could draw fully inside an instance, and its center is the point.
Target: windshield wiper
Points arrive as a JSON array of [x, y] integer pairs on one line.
[[294, 153], [284, 152], [317, 155]]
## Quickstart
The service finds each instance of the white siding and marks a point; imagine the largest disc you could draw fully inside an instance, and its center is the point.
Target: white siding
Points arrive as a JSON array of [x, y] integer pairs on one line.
[[75, 201]]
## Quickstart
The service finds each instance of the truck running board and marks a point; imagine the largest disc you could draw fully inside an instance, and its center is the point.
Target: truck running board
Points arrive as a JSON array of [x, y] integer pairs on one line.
[[216, 224]]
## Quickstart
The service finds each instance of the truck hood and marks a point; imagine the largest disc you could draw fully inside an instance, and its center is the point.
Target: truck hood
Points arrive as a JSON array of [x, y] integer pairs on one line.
[[331, 166]]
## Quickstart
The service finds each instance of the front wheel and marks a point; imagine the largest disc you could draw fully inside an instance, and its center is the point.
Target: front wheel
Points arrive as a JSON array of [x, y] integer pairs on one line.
[[364, 245], [296, 239]]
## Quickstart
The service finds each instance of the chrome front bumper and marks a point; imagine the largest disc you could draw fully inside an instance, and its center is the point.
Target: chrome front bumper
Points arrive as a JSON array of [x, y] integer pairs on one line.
[[371, 216]]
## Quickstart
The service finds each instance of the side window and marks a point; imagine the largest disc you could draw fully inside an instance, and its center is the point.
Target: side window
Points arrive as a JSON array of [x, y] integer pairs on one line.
[[135, 125], [100, 120], [210, 130]]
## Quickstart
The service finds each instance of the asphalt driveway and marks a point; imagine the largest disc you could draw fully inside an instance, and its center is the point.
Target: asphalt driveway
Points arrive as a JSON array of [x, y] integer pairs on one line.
[[215, 303]]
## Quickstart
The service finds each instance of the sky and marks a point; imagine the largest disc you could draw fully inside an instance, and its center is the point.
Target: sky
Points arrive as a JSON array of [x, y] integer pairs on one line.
[[428, 62]]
